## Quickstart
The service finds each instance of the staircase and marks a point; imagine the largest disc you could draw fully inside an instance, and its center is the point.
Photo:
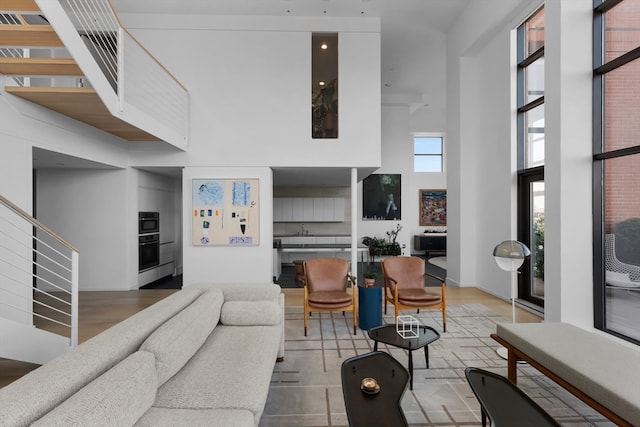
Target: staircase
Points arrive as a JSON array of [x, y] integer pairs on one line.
[[74, 57], [38, 289]]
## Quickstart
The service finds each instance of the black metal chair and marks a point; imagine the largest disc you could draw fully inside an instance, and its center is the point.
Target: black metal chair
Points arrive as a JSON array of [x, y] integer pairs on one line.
[[374, 403], [504, 403]]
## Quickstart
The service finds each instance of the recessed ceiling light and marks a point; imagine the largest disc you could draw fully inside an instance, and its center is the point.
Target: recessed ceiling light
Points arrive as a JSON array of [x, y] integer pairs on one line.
[[324, 46], [321, 83]]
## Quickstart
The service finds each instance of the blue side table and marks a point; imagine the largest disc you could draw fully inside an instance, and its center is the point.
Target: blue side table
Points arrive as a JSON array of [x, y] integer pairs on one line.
[[369, 307]]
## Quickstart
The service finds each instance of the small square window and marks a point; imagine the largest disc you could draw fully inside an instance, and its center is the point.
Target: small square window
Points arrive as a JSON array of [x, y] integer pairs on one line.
[[427, 154]]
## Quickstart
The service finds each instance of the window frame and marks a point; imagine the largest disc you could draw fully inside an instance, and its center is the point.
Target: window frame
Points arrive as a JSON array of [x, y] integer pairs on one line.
[[526, 173], [600, 70], [442, 154]]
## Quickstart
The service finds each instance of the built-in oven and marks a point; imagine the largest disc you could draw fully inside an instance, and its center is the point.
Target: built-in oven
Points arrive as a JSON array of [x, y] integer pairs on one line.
[[148, 222], [148, 251]]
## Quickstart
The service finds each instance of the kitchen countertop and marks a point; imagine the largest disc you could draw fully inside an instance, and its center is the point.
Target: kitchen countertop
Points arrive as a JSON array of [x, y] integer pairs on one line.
[[311, 235], [318, 247]]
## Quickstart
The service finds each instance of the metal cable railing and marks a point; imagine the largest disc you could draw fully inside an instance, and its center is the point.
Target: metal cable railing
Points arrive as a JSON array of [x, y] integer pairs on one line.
[[38, 274], [139, 80]]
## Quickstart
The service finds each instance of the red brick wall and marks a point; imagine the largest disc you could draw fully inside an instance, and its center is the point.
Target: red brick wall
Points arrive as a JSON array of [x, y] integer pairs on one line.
[[622, 115]]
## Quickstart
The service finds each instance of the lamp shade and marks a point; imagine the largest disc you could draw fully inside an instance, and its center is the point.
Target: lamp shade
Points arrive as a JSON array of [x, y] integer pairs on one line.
[[510, 254]]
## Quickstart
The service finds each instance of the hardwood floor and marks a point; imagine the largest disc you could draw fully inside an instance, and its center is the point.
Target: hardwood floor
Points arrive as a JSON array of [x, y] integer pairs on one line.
[[101, 310]]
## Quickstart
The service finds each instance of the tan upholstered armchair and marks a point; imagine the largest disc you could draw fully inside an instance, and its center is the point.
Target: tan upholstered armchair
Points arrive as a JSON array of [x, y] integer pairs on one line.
[[326, 288], [404, 286]]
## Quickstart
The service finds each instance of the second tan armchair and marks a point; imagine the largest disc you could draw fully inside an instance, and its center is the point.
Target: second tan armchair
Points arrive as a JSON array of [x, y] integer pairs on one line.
[[404, 286], [326, 288]]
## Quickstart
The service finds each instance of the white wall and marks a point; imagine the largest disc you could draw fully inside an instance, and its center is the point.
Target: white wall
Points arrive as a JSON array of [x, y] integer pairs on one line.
[[15, 185], [397, 158], [479, 129], [250, 87], [91, 209], [228, 264], [23, 126], [482, 148]]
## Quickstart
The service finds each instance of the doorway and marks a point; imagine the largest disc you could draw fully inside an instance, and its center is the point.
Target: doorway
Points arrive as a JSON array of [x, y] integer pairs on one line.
[[531, 233]]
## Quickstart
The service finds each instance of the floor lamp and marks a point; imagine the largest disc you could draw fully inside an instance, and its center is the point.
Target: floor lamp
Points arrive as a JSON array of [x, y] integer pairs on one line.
[[510, 256]]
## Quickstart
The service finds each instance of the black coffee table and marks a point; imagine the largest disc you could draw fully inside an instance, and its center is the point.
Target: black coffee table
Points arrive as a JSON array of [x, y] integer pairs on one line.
[[387, 334]]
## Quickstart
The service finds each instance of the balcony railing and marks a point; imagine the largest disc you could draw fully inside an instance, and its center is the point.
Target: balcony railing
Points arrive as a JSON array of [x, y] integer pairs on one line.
[[38, 276]]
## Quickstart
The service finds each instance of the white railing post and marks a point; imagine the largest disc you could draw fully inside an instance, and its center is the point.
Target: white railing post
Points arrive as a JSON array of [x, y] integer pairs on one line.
[[75, 263], [120, 71]]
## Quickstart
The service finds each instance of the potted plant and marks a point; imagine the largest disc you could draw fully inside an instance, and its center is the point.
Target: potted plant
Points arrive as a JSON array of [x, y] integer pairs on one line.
[[369, 278], [384, 246]]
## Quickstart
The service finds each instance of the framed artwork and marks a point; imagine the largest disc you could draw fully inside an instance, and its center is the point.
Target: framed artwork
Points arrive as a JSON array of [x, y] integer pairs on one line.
[[226, 212], [381, 197], [433, 207]]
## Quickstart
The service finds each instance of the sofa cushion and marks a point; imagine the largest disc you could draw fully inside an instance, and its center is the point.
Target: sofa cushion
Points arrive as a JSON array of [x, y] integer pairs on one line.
[[232, 370], [42, 389], [245, 292], [178, 339], [163, 417], [248, 313], [118, 397]]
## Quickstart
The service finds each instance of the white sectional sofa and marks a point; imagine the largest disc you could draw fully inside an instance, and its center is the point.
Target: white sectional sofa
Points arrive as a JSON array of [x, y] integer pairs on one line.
[[203, 356]]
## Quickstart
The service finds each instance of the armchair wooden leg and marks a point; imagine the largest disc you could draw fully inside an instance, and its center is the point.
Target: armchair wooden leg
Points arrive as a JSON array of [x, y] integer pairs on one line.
[[444, 321], [305, 320], [355, 321], [444, 318]]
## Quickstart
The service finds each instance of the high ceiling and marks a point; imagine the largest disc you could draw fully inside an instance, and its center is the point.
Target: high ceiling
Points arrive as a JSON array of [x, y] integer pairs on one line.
[[412, 33]]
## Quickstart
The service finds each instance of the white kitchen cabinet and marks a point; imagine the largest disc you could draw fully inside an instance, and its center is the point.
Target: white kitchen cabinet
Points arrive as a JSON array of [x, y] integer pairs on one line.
[[277, 209], [308, 209], [287, 210], [338, 209]]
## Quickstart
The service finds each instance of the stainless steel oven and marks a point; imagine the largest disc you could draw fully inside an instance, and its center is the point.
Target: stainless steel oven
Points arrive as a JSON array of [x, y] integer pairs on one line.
[[148, 251], [148, 222]]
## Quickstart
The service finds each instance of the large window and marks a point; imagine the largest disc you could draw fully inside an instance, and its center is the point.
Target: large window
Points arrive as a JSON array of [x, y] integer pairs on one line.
[[530, 103], [617, 167], [428, 153]]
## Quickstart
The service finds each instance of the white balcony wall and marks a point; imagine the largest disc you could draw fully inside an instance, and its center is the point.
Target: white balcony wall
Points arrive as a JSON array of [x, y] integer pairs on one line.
[[250, 87]]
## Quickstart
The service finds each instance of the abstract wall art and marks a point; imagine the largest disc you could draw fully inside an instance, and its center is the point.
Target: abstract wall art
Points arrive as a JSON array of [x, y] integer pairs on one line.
[[226, 212]]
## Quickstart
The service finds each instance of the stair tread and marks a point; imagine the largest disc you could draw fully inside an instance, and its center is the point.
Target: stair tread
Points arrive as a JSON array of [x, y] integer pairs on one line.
[[14, 35], [39, 67], [19, 6]]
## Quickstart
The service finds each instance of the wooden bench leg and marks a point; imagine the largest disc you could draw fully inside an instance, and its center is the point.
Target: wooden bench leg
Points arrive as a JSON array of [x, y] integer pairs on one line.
[[512, 366]]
